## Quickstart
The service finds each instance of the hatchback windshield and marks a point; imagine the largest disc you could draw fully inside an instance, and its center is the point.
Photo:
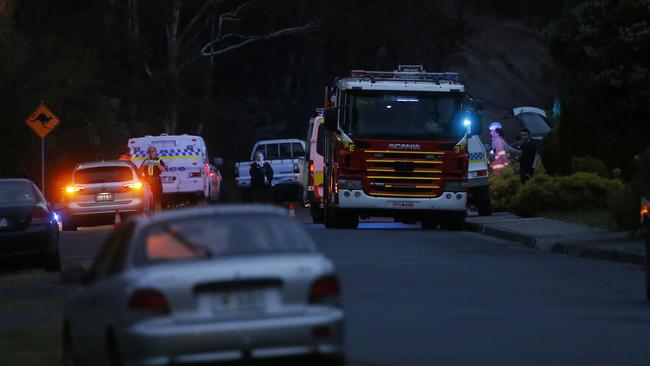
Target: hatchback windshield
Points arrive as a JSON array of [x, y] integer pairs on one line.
[[421, 116], [104, 174], [237, 235], [17, 192]]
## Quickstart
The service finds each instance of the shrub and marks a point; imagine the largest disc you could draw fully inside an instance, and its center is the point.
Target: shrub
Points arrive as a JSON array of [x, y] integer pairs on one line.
[[623, 206], [503, 188], [588, 164], [579, 191]]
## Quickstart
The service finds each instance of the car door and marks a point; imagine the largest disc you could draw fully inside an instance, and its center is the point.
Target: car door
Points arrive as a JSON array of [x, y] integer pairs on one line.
[[101, 302]]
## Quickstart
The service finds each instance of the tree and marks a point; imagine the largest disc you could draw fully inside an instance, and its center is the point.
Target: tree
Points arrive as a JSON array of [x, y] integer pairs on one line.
[[604, 49], [187, 24]]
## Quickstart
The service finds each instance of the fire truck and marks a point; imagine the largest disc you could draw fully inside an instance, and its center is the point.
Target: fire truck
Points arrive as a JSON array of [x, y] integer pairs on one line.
[[397, 147]]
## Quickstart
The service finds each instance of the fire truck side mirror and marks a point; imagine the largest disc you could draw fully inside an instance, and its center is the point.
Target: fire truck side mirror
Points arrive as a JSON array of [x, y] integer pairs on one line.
[[331, 116]]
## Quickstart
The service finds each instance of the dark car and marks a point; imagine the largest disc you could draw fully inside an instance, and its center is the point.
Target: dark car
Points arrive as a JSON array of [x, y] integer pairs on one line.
[[28, 225]]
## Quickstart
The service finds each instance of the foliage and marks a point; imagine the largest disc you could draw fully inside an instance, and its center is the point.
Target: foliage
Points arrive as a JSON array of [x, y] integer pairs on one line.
[[623, 205], [587, 164], [604, 50], [549, 151], [503, 188], [579, 191]]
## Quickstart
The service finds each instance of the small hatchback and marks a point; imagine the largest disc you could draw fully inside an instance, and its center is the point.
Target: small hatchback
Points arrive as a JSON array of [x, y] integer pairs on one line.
[[99, 190], [206, 285]]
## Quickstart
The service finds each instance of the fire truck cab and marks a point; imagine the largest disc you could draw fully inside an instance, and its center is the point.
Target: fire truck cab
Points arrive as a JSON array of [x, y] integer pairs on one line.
[[397, 147]]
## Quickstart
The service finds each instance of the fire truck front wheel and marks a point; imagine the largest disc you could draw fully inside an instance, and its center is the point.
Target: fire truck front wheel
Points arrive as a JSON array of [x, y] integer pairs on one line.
[[340, 219]]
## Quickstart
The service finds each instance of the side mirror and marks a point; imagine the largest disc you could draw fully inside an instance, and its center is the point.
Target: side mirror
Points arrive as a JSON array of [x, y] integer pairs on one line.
[[331, 116], [74, 275], [218, 161]]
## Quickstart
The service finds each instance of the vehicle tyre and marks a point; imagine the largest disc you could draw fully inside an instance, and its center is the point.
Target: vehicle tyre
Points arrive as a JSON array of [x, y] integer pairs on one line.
[[336, 219], [52, 262], [330, 361], [484, 202], [429, 224], [317, 214], [69, 356], [112, 350], [68, 225], [453, 222]]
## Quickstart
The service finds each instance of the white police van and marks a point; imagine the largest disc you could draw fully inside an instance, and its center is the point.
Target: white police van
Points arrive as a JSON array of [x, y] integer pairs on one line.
[[189, 177]]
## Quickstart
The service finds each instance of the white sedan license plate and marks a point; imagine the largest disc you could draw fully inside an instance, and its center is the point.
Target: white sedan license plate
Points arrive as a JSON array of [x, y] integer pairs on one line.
[[4, 223], [237, 302], [104, 197]]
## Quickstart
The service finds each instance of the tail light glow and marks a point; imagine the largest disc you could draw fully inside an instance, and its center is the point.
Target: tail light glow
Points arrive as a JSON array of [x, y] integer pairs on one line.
[[39, 215], [134, 186], [73, 189], [325, 290], [310, 176], [148, 300]]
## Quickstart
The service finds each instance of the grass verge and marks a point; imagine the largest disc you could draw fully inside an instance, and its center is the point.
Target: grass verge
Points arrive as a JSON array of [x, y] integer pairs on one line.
[[597, 219]]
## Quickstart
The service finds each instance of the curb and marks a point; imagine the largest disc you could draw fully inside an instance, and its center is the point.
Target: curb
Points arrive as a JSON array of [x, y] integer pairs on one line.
[[578, 250]]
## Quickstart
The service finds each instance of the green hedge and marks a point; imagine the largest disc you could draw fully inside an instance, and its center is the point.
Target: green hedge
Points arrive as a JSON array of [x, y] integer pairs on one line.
[[579, 191]]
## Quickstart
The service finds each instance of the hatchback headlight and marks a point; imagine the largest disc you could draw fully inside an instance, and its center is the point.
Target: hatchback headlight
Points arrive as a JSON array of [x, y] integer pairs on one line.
[[350, 184]]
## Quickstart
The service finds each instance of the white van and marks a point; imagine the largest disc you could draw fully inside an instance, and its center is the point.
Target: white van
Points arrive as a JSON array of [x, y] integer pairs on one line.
[[189, 177]]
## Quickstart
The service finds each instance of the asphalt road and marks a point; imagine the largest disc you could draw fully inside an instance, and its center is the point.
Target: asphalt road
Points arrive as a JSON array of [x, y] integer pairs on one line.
[[418, 297]]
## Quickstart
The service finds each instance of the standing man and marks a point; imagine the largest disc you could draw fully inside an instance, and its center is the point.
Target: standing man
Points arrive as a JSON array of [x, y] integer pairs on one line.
[[261, 179], [527, 157], [151, 169]]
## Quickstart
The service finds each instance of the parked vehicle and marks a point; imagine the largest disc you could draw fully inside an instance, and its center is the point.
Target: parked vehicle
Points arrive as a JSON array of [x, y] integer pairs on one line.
[[314, 167], [533, 119], [286, 157], [213, 284], [645, 220], [99, 189], [28, 224], [187, 176], [478, 187], [397, 147]]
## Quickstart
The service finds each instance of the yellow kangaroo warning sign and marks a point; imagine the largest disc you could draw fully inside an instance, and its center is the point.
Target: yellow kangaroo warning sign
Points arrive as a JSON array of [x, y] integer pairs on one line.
[[42, 121]]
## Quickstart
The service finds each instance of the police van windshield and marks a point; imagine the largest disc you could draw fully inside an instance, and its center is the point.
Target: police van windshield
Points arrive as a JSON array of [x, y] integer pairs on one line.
[[403, 115]]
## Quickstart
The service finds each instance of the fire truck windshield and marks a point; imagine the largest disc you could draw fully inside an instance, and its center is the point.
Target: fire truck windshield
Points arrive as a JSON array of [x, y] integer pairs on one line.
[[403, 115]]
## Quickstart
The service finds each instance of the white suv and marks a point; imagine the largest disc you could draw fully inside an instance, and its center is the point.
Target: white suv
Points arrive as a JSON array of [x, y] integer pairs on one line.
[[99, 190]]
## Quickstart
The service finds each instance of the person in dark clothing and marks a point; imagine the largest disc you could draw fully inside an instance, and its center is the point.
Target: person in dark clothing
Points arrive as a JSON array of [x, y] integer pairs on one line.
[[261, 174], [151, 169], [527, 157]]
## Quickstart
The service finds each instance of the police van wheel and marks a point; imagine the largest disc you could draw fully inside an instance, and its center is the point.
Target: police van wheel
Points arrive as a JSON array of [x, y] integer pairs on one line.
[[317, 215]]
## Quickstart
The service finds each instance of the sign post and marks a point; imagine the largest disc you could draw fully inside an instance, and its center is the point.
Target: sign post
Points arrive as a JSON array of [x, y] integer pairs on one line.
[[42, 122]]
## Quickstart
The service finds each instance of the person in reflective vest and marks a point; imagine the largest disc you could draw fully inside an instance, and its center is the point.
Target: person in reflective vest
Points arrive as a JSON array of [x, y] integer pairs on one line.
[[500, 148], [151, 169]]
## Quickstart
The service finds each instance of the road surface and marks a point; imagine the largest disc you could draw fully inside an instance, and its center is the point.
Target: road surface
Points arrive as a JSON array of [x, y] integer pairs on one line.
[[417, 297]]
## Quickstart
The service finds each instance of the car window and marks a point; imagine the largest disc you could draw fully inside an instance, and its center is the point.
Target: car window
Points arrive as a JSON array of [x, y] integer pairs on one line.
[[214, 237], [272, 152], [104, 174], [112, 255], [285, 150], [18, 192], [298, 150], [320, 142]]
